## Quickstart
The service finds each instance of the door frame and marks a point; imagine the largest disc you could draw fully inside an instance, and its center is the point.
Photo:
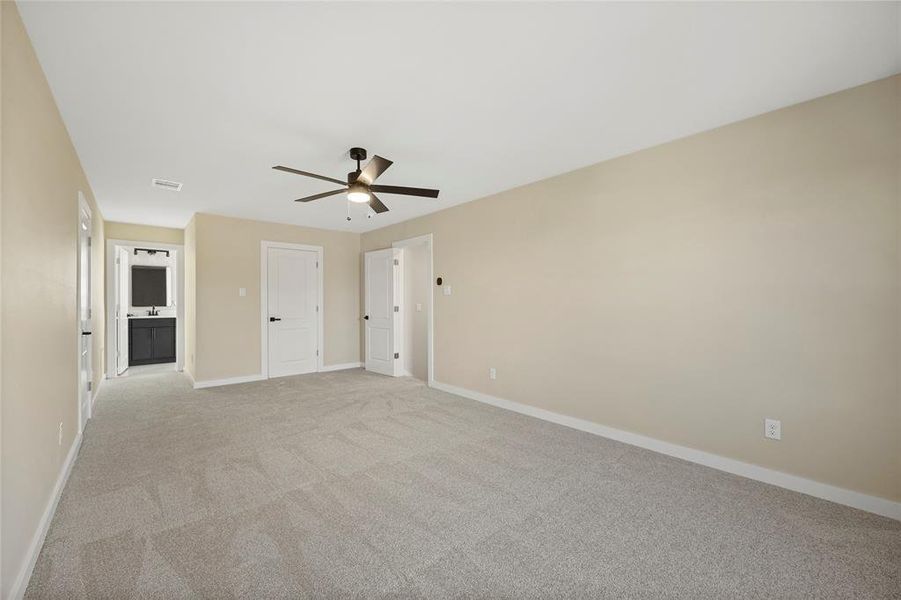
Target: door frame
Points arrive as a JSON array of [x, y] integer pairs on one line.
[[265, 245], [111, 341], [426, 239], [84, 208]]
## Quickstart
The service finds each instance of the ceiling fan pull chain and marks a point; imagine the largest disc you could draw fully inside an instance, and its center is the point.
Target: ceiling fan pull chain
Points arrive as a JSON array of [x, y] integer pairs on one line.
[[348, 210]]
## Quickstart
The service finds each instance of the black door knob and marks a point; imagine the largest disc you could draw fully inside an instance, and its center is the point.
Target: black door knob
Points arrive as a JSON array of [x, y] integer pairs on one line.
[[271, 319], [366, 317]]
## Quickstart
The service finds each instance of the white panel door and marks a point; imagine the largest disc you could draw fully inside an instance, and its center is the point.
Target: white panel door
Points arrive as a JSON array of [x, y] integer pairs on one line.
[[85, 370], [380, 275], [122, 304], [293, 293]]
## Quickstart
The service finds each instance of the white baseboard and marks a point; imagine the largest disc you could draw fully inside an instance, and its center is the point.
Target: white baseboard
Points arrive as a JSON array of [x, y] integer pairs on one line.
[[249, 378], [37, 541], [228, 381], [340, 367], [873, 504]]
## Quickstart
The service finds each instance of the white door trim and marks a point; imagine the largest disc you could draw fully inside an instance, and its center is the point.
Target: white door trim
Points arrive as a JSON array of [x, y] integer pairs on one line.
[[264, 301], [179, 250], [84, 207], [427, 240]]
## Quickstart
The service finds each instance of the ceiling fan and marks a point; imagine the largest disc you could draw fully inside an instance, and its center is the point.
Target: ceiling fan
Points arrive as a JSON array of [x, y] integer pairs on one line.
[[361, 183]]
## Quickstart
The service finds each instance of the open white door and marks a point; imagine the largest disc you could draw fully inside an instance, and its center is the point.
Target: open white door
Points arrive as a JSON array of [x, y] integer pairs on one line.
[[293, 320], [122, 304], [380, 281], [85, 371]]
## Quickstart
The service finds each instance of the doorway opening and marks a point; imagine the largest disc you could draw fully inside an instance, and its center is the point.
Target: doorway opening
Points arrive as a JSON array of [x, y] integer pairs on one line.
[[414, 310], [145, 308], [398, 309]]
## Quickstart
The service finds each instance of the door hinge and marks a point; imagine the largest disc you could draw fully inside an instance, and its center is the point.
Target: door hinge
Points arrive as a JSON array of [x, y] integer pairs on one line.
[[317, 352], [317, 308], [89, 313], [396, 309], [90, 385], [117, 261], [397, 355], [396, 262], [89, 241], [317, 264]]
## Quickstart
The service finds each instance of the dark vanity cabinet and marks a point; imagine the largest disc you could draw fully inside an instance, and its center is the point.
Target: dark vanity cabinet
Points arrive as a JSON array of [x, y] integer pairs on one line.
[[151, 341]]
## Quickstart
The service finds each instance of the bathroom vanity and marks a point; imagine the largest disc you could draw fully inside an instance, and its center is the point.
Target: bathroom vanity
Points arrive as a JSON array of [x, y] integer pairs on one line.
[[151, 340]]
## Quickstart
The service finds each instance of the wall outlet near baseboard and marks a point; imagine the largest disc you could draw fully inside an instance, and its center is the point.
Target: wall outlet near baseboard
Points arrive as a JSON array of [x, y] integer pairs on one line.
[[772, 429], [492, 373], [59, 437]]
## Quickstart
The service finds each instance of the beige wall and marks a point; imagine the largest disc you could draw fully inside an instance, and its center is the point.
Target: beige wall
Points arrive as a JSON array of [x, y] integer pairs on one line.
[[144, 233], [688, 291], [41, 178], [227, 326]]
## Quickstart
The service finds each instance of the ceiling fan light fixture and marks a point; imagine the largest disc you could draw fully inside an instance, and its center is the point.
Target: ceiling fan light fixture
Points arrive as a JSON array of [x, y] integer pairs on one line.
[[359, 193], [361, 183]]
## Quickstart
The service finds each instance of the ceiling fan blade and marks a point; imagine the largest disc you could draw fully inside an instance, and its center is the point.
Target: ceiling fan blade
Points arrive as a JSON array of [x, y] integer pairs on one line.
[[322, 195], [373, 169], [313, 175], [405, 191], [376, 204]]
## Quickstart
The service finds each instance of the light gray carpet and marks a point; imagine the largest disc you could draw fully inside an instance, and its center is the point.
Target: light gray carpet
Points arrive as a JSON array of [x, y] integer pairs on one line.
[[350, 484]]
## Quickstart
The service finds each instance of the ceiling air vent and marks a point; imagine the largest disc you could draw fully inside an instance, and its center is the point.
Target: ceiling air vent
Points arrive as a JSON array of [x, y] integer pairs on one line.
[[165, 184]]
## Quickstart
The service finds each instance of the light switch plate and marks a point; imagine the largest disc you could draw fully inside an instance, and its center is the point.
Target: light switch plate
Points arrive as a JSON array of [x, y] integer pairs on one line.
[[447, 290], [242, 291], [418, 307]]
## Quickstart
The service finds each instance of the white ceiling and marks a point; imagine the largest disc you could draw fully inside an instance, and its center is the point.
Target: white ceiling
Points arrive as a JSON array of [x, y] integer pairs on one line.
[[470, 98]]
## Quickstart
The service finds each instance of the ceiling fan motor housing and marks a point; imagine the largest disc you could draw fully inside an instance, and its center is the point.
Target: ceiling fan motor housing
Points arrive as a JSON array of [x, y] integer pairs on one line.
[[361, 191]]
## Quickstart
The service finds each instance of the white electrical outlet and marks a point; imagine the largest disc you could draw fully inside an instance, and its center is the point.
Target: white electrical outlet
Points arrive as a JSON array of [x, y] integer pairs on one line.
[[772, 429], [492, 373], [418, 307], [59, 440]]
